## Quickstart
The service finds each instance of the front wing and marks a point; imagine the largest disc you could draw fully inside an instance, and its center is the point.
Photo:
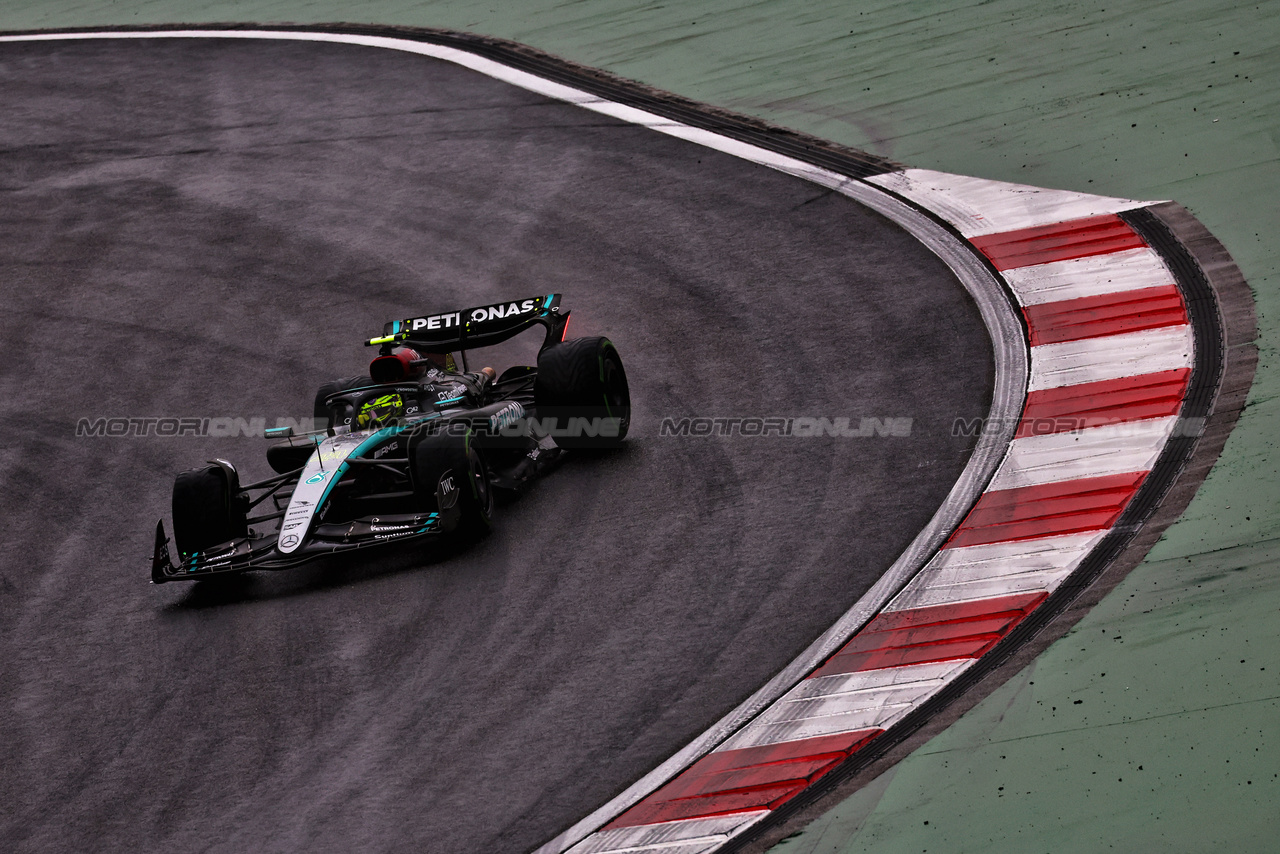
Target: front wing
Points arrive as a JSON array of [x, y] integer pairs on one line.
[[322, 540]]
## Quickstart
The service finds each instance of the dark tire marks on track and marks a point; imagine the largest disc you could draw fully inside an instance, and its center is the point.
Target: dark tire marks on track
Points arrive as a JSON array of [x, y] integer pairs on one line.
[[208, 228]]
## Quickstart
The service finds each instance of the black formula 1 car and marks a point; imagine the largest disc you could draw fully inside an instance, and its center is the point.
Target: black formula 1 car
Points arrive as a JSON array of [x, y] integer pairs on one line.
[[413, 451]]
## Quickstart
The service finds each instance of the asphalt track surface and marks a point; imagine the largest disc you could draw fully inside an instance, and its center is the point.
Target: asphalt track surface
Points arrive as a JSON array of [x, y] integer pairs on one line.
[[209, 228]]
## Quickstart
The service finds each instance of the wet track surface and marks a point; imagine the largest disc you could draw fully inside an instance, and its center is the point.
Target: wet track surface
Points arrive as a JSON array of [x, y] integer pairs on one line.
[[206, 229]]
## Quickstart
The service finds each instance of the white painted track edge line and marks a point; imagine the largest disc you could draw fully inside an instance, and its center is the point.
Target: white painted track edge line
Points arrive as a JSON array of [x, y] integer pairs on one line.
[[492, 68], [979, 207], [994, 303]]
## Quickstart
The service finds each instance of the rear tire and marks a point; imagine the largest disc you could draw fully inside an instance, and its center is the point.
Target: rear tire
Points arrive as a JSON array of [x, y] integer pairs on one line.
[[208, 508], [582, 390], [435, 456]]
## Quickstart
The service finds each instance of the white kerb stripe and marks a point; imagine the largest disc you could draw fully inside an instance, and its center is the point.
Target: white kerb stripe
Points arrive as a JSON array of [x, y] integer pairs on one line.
[[1094, 452], [1040, 581], [695, 846], [865, 700], [1130, 270], [869, 688], [1111, 357], [806, 708], [974, 573], [977, 206], [694, 832]]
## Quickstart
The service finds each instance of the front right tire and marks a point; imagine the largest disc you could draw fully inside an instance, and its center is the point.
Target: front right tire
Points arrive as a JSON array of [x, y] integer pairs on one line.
[[208, 508]]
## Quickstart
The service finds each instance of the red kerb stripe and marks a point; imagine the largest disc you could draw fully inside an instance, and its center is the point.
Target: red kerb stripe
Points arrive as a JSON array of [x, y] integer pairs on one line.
[[743, 780], [787, 751], [1062, 241], [959, 611], [1068, 507], [935, 633], [1106, 314], [1075, 407]]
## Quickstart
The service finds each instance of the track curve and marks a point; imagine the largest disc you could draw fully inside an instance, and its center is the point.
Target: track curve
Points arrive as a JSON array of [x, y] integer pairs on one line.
[[207, 229]]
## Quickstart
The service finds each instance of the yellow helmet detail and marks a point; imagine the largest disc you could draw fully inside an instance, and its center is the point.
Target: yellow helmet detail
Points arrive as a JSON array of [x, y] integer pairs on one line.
[[380, 411]]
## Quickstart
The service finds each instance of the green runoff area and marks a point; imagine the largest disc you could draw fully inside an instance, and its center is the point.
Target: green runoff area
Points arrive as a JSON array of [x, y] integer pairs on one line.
[[1153, 723]]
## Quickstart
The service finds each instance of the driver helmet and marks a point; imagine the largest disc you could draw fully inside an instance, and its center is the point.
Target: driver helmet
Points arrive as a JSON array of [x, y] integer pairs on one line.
[[380, 411]]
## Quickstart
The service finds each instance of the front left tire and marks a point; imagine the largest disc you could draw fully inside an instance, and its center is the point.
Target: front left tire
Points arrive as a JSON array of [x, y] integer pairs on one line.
[[443, 455]]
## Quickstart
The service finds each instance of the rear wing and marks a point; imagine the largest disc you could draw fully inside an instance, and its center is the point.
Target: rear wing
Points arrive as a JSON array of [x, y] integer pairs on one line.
[[482, 326]]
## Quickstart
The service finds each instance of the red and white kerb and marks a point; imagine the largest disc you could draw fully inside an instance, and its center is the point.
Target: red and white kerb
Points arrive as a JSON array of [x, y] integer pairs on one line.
[[1111, 352]]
